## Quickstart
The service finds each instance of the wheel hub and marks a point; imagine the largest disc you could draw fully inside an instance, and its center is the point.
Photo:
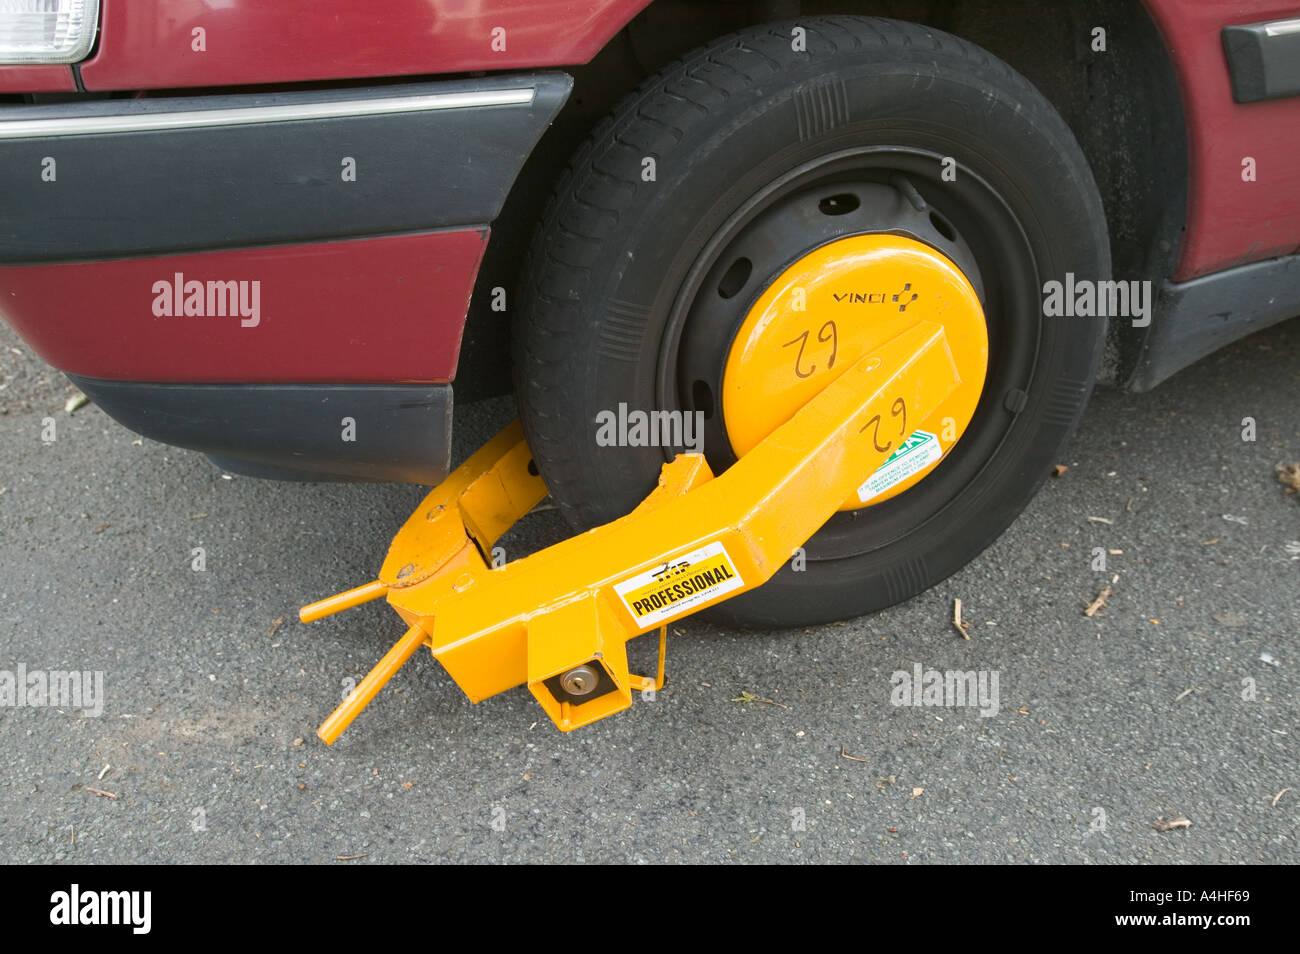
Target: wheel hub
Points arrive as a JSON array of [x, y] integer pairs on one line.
[[824, 312]]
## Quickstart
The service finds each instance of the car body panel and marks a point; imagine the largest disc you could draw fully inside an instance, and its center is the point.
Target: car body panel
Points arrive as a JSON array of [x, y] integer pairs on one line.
[[37, 79], [149, 44], [1231, 221], [388, 309]]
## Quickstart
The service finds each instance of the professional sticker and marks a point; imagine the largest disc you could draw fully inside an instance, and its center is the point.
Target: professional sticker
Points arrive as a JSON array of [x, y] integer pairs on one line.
[[673, 588], [914, 455]]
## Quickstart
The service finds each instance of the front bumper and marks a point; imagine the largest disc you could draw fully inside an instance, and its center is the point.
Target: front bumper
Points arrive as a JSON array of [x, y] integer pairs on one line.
[[260, 243]]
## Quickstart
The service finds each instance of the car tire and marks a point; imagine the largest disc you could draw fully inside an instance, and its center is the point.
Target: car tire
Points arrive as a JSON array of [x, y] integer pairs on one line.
[[642, 214]]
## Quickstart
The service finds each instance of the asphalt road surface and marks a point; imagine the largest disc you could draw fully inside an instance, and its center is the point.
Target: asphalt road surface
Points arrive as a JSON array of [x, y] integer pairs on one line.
[[1178, 699]]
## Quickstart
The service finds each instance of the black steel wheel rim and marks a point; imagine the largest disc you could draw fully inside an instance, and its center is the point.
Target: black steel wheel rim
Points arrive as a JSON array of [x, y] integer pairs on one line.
[[873, 189]]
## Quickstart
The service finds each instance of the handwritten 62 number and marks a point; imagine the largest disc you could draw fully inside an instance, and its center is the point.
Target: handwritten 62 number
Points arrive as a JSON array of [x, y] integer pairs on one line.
[[896, 410]]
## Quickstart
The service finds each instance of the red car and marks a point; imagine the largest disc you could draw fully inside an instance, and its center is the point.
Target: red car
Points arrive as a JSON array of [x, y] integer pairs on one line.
[[286, 234]]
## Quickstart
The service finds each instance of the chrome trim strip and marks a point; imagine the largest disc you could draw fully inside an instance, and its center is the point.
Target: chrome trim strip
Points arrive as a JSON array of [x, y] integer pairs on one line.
[[201, 118], [1282, 27]]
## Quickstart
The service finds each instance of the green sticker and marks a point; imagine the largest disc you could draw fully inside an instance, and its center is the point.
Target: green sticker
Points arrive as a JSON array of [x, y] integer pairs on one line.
[[915, 454]]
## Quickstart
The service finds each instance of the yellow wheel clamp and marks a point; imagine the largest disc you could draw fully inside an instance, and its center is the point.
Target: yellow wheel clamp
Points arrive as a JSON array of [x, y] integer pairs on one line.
[[559, 620]]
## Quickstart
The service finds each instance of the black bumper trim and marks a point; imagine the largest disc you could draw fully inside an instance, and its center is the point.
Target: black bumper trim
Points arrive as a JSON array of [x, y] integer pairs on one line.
[[231, 184], [401, 432], [1196, 318]]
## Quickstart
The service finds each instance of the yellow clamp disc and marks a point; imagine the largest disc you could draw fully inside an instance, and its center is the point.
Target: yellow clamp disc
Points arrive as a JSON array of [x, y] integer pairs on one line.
[[826, 311]]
